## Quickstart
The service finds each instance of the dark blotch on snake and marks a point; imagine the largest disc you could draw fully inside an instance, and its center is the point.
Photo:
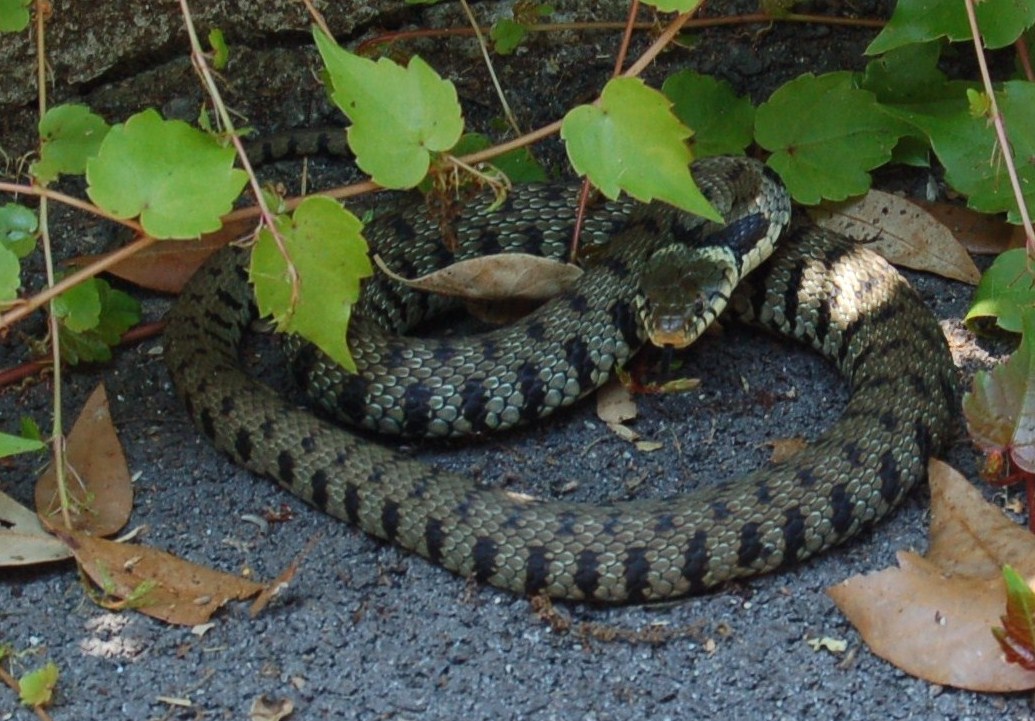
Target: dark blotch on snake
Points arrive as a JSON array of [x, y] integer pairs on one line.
[[750, 547], [793, 534], [416, 408], [890, 473], [286, 467], [636, 573], [843, 509], [484, 558], [537, 570], [243, 444], [434, 539], [587, 572], [390, 519], [318, 483]]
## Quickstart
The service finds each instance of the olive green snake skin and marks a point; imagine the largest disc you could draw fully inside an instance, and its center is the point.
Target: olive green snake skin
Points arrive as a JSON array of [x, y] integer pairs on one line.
[[838, 298]]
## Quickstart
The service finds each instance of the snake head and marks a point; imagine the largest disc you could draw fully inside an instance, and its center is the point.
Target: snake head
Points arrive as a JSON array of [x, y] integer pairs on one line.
[[683, 291]]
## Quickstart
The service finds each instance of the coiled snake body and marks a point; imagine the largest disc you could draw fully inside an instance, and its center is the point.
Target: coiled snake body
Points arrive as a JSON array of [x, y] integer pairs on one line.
[[842, 300]]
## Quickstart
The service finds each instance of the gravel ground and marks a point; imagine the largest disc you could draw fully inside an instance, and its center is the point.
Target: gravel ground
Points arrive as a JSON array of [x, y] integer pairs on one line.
[[369, 632]]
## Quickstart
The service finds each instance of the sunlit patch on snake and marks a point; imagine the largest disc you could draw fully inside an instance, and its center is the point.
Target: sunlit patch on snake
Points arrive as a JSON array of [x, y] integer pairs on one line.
[[840, 299]]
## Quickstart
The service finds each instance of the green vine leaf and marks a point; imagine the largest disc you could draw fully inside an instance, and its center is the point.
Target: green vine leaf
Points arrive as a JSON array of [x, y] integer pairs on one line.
[[14, 15], [723, 122], [19, 227], [12, 445], [918, 21], [825, 134], [70, 135], [36, 688], [1006, 292], [631, 141], [399, 115], [179, 180], [968, 148], [675, 6], [111, 311], [10, 275], [1017, 635], [330, 256]]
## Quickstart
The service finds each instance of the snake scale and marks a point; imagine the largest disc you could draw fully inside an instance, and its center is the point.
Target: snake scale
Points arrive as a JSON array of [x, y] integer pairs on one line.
[[838, 298]]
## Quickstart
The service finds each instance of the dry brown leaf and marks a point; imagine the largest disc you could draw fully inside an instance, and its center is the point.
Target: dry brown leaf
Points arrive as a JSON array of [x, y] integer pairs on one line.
[[99, 485], [784, 448], [166, 265], [902, 232], [979, 232], [23, 540], [615, 403], [154, 582], [926, 616], [267, 709], [505, 276]]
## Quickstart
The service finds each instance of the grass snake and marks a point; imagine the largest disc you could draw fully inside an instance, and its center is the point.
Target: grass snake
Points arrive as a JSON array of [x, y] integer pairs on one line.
[[841, 299]]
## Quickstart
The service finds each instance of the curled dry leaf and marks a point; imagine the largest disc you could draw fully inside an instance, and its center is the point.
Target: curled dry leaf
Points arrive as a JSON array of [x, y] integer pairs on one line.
[[615, 406], [505, 276], [269, 709], [154, 582], [902, 232], [23, 540], [99, 487], [933, 616]]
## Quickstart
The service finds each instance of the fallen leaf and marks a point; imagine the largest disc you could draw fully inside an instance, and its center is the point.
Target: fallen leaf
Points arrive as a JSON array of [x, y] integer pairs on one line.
[[99, 487], [834, 645], [154, 582], [978, 232], [23, 540], [267, 709], [505, 276], [902, 232], [932, 617], [167, 264], [784, 448], [615, 404]]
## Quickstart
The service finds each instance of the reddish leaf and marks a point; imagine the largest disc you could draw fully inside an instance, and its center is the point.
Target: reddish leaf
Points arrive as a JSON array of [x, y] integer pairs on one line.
[[1017, 637], [1000, 410]]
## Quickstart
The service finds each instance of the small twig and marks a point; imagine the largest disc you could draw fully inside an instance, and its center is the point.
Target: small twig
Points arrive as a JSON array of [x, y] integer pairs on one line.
[[483, 46], [200, 64], [1000, 129]]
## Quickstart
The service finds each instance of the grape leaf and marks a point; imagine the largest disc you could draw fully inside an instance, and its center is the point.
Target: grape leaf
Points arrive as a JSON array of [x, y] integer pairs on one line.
[[325, 245], [118, 313], [11, 445], [70, 135], [723, 122], [10, 275], [399, 115], [917, 21], [36, 688], [179, 180], [79, 307], [631, 141], [1017, 635], [1006, 292], [825, 134], [18, 229], [14, 15]]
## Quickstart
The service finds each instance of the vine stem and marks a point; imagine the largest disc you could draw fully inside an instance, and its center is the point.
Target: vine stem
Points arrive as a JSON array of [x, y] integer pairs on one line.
[[1000, 129], [197, 56]]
